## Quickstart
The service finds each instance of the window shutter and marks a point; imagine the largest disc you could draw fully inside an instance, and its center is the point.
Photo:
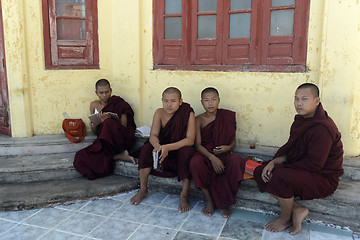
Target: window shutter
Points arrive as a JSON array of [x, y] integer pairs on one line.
[[285, 47], [71, 40]]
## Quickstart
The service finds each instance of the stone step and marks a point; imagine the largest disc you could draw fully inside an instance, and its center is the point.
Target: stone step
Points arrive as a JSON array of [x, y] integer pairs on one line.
[[47, 193], [40, 145], [341, 208]]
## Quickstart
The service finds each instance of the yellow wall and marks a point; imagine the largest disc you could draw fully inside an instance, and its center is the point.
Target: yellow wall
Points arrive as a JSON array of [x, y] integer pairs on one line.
[[263, 101]]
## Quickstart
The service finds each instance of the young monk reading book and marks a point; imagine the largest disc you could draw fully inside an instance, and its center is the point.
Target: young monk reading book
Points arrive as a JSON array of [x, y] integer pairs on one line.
[[172, 135], [214, 168], [115, 135], [307, 166]]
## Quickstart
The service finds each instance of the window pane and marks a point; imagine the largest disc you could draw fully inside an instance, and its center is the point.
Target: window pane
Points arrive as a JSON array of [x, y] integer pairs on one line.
[[240, 25], [207, 26], [173, 28], [71, 29], [282, 23], [207, 5], [73, 8], [240, 4], [277, 3], [172, 6]]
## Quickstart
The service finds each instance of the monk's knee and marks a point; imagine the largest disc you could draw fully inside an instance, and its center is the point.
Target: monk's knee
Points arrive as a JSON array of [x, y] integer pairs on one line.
[[186, 152], [197, 162]]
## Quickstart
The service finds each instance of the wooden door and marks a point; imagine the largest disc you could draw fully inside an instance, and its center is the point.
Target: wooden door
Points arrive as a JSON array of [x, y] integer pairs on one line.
[[4, 97]]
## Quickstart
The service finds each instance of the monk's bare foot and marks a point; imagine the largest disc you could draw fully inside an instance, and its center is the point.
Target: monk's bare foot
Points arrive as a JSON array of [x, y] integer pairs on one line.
[[184, 205], [208, 210], [125, 156], [138, 197], [277, 225], [225, 212], [298, 215]]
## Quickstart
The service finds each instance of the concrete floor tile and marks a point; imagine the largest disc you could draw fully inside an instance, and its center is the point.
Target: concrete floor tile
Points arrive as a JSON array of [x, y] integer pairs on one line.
[[329, 230], [327, 236], [80, 223], [102, 207], [240, 229], [172, 201], [23, 232], [250, 216], [154, 198], [114, 229], [5, 226], [164, 217], [146, 232], [56, 235], [48, 217], [135, 213], [198, 223], [18, 216], [125, 197], [192, 236], [73, 206], [302, 235]]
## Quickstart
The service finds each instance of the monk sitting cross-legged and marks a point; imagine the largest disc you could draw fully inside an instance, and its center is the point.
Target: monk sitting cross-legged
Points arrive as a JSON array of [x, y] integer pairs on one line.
[[115, 135], [172, 134], [214, 168], [307, 166]]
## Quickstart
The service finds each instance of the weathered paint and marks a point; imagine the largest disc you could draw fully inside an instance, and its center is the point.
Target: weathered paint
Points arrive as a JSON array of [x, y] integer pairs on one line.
[[263, 101]]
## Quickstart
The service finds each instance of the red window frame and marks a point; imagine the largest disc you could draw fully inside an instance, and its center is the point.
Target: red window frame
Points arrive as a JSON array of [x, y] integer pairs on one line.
[[70, 54], [259, 52]]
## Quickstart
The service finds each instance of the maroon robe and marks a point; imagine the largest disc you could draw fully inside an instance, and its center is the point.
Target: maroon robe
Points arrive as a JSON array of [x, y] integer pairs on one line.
[[177, 162], [222, 187], [314, 154], [96, 160]]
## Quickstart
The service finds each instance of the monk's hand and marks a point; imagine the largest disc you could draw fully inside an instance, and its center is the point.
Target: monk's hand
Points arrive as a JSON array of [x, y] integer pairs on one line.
[[221, 149], [267, 172], [164, 152], [104, 116], [217, 164]]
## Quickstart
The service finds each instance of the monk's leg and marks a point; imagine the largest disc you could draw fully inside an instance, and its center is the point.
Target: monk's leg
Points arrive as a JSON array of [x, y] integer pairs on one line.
[[299, 213], [208, 210], [143, 191], [284, 220], [125, 156], [184, 205]]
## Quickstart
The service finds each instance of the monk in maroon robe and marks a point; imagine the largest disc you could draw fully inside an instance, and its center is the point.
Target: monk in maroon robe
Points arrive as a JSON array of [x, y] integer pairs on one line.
[[172, 135], [115, 135], [214, 168], [307, 166]]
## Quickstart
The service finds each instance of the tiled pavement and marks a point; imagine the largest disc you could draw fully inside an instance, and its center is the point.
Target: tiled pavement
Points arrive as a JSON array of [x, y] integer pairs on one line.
[[156, 218]]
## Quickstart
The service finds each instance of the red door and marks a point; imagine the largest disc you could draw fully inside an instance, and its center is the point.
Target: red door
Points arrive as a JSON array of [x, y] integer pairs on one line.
[[4, 98]]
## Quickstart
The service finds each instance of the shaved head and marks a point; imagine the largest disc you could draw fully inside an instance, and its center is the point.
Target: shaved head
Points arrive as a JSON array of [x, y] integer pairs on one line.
[[313, 87], [102, 82], [170, 90], [209, 89]]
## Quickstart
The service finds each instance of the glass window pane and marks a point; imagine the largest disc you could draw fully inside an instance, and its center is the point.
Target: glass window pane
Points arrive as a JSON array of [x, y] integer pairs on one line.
[[277, 3], [240, 4], [207, 26], [172, 6], [72, 8], [71, 29], [240, 25], [207, 6], [282, 23], [173, 28]]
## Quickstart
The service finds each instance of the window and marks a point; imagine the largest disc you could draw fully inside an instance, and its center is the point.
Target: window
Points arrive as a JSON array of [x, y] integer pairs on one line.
[[70, 34], [249, 35]]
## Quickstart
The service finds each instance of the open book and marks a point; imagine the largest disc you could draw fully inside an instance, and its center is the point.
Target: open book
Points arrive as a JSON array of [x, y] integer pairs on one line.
[[96, 120], [143, 131]]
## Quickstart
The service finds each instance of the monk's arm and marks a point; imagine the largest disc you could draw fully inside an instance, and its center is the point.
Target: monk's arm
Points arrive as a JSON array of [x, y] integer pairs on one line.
[[215, 161], [155, 130], [267, 171], [188, 140], [123, 120], [318, 149], [92, 110]]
